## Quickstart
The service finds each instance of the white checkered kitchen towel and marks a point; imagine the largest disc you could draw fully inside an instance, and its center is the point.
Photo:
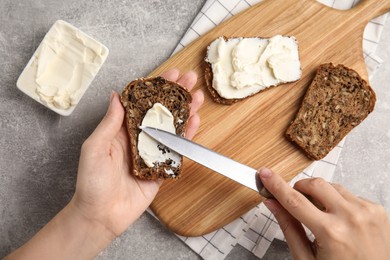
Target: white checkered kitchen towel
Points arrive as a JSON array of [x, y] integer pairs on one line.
[[256, 229]]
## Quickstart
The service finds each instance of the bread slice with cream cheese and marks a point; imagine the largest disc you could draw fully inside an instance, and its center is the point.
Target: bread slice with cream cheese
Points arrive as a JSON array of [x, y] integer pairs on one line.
[[159, 98], [237, 68]]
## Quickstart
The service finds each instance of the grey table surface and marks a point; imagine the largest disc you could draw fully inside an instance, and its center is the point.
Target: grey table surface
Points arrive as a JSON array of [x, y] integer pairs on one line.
[[39, 149]]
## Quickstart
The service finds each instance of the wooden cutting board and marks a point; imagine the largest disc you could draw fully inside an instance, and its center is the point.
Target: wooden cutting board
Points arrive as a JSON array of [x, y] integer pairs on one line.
[[252, 131]]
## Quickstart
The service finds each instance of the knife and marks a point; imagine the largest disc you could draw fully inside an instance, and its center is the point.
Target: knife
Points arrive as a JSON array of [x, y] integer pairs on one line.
[[215, 161], [219, 163]]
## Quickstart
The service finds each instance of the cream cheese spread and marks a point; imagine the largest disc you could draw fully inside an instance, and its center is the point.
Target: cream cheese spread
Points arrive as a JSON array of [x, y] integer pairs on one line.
[[244, 66], [65, 63], [149, 149]]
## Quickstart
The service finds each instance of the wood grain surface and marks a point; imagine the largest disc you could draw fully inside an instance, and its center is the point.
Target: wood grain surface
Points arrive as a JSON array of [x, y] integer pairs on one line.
[[252, 131]]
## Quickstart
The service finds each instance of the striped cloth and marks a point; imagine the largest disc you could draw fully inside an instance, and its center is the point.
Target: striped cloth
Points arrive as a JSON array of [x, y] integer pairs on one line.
[[257, 228]]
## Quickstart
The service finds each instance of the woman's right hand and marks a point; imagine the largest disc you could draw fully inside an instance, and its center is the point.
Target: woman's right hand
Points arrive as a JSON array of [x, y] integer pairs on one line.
[[349, 228]]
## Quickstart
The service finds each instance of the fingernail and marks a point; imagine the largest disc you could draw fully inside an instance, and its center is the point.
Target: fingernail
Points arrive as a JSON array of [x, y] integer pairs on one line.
[[265, 173]]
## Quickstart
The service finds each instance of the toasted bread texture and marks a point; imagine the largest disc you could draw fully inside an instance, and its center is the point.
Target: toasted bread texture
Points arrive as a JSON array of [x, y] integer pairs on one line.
[[337, 100], [137, 98]]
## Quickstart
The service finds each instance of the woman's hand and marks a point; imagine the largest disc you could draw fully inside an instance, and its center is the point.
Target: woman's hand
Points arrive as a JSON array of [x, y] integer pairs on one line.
[[108, 198], [349, 228], [106, 191]]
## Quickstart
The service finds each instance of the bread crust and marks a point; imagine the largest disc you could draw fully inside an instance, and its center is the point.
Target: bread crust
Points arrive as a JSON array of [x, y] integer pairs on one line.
[[137, 98], [336, 101], [208, 73]]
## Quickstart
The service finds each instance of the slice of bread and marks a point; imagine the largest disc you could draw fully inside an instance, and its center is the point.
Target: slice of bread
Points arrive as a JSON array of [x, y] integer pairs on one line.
[[214, 94], [137, 98], [337, 100], [240, 67]]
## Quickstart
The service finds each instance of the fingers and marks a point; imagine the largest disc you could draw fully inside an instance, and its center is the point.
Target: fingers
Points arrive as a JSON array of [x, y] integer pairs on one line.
[[112, 122], [194, 120], [188, 80], [321, 191], [172, 74], [348, 196], [298, 242], [192, 127], [344, 192], [293, 201], [197, 101]]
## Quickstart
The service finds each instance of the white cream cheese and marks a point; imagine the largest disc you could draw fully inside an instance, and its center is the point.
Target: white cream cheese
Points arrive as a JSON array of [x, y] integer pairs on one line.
[[244, 66], [150, 150], [62, 67]]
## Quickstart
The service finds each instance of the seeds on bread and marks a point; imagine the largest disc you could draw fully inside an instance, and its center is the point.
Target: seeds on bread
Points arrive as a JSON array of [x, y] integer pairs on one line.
[[337, 100], [137, 98]]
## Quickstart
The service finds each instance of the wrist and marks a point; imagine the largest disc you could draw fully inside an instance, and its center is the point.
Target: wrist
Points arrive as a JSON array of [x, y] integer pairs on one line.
[[93, 235], [69, 235]]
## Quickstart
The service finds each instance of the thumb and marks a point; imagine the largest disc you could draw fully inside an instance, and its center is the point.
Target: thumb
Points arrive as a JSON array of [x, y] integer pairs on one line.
[[112, 122]]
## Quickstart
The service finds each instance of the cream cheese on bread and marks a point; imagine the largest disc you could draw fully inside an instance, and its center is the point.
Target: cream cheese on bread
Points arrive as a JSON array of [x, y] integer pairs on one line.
[[244, 66], [150, 150]]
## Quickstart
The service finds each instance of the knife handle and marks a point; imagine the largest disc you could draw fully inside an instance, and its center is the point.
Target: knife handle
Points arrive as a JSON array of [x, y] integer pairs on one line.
[[266, 194]]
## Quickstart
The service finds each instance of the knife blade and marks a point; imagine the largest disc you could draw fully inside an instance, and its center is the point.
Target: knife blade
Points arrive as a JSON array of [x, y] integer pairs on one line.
[[219, 163], [215, 161]]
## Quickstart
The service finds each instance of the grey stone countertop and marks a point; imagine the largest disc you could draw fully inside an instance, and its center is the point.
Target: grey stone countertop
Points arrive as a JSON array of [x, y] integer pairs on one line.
[[39, 150]]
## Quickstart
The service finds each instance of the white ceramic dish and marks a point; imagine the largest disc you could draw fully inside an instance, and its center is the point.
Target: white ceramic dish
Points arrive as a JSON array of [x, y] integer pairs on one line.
[[62, 68]]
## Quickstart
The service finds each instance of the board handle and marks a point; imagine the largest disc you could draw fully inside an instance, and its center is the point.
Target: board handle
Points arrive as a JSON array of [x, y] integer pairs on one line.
[[369, 9]]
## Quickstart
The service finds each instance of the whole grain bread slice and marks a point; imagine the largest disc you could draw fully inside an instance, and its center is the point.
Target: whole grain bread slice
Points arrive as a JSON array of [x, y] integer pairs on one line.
[[137, 98], [209, 83], [214, 94], [337, 100]]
